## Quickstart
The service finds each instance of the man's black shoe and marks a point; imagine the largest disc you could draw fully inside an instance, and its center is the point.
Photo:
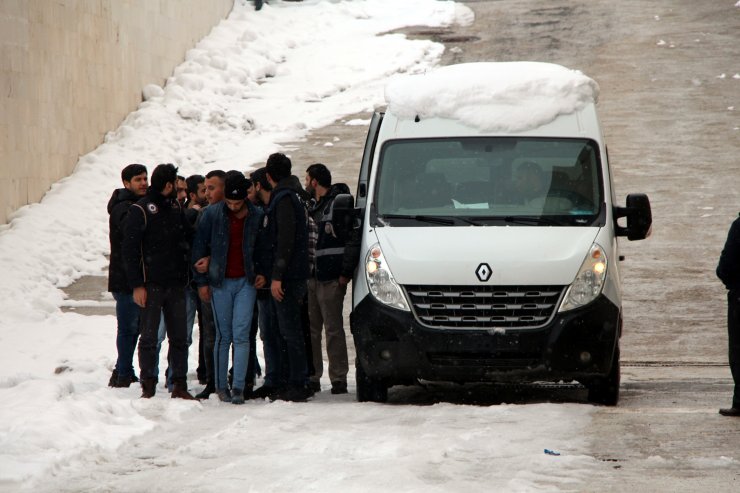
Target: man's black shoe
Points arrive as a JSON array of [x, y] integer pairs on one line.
[[263, 392], [206, 392], [113, 380], [121, 383], [730, 411], [294, 394], [315, 386], [339, 387], [148, 388]]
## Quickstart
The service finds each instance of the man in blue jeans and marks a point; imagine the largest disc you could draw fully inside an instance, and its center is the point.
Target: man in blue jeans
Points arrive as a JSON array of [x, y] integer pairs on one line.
[[228, 232], [134, 178], [287, 231]]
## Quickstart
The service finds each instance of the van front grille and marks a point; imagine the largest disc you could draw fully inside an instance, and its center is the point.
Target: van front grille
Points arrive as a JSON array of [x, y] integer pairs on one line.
[[484, 307]]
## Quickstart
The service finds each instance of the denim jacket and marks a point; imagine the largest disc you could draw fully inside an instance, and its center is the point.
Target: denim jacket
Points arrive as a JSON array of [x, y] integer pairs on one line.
[[212, 238]]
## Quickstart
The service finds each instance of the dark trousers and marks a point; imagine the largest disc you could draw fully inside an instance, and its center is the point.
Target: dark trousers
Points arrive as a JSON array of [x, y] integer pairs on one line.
[[733, 333], [201, 370], [306, 327], [167, 302], [208, 338], [253, 366], [271, 341], [292, 334]]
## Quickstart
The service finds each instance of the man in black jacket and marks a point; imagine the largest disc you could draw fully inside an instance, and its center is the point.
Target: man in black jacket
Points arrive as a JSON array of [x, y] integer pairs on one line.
[[286, 222], [728, 271], [134, 178], [155, 251], [331, 271]]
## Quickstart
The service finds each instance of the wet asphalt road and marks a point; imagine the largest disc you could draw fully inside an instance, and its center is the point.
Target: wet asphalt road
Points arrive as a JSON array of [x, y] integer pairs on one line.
[[671, 120]]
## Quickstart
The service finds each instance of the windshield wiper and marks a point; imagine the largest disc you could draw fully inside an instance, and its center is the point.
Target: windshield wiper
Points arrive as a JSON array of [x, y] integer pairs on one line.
[[532, 220], [420, 218]]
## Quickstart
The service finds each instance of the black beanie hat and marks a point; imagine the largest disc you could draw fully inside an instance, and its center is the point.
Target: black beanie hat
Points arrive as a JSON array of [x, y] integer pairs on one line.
[[236, 185]]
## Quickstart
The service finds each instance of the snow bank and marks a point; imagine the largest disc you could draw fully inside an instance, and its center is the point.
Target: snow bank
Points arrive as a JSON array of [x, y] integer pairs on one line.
[[505, 96], [250, 85]]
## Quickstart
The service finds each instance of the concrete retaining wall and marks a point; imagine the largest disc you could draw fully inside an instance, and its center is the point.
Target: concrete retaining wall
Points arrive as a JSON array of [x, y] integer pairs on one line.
[[70, 70]]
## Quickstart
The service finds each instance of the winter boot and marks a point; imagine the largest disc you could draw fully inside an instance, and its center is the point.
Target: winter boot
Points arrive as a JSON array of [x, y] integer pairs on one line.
[[237, 396], [224, 395], [148, 388], [206, 392], [180, 391], [113, 380], [338, 387]]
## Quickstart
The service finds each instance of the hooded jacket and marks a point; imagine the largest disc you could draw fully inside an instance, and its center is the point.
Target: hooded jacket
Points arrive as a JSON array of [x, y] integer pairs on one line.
[[118, 207]]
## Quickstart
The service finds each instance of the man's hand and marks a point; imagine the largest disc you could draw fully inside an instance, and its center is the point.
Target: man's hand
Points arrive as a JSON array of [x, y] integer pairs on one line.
[[277, 290], [140, 296], [343, 281], [204, 293], [201, 266], [260, 281]]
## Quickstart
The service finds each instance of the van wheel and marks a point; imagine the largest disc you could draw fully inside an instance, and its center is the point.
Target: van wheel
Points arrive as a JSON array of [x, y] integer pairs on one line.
[[605, 390], [369, 389]]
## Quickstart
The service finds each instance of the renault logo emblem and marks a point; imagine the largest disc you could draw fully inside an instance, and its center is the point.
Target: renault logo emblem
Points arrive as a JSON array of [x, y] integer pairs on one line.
[[483, 272]]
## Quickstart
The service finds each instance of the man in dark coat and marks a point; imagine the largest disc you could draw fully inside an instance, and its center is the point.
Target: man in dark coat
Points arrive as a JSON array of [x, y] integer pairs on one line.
[[155, 252], [287, 225], [728, 271], [134, 178]]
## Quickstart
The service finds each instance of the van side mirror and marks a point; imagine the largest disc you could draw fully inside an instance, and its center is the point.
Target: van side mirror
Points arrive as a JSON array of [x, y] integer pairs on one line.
[[639, 217]]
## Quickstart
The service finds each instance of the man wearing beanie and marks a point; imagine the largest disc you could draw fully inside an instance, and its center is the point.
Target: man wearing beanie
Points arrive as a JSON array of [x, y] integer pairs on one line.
[[227, 231]]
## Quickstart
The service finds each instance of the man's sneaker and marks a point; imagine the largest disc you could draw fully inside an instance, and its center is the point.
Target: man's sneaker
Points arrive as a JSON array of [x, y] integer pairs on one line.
[[237, 396], [263, 392], [339, 387], [730, 411], [206, 392], [315, 386], [224, 395]]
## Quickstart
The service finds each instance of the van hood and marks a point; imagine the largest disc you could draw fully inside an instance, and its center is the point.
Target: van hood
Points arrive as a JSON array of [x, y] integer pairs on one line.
[[516, 255]]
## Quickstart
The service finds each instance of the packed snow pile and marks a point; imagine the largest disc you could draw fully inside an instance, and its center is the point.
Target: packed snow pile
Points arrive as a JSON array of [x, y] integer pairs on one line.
[[492, 96]]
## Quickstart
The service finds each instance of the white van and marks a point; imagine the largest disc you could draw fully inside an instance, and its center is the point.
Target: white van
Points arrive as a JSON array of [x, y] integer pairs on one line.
[[489, 233]]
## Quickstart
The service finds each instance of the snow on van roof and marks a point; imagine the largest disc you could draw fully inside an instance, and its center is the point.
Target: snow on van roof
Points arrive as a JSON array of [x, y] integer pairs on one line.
[[492, 96]]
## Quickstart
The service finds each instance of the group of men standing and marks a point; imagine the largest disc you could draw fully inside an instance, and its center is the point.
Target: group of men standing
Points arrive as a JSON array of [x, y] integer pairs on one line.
[[242, 253]]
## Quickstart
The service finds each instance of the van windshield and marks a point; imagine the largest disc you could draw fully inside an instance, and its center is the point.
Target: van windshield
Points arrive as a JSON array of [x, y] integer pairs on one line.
[[490, 180]]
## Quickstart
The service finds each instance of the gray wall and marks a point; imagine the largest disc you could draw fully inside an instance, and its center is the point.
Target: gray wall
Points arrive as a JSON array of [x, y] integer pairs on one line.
[[71, 70]]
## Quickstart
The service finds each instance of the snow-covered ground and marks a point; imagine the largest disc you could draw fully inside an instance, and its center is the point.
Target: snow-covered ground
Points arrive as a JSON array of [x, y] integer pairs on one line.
[[259, 79]]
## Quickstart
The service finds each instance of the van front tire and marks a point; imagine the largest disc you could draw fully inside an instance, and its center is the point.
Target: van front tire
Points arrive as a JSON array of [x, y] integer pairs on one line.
[[369, 389], [605, 391]]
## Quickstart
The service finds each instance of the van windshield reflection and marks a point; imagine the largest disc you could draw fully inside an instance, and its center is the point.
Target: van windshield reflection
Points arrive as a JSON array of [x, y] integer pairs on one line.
[[483, 181]]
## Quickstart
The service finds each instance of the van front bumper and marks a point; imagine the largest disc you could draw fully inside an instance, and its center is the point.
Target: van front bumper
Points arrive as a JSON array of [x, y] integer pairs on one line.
[[393, 346]]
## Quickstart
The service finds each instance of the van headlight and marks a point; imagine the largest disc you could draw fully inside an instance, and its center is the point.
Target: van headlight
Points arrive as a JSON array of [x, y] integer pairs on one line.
[[380, 280], [589, 281]]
